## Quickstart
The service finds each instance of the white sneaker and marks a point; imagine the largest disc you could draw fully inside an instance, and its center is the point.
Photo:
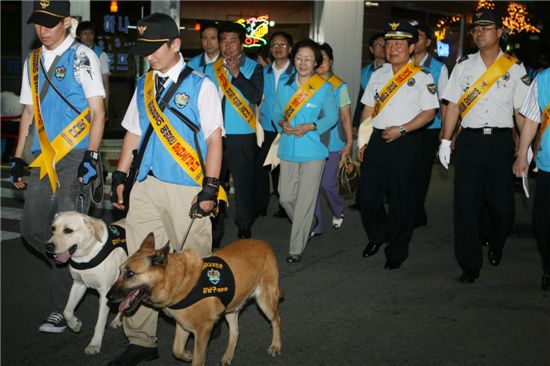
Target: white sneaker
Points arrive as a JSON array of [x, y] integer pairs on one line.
[[54, 324], [337, 222]]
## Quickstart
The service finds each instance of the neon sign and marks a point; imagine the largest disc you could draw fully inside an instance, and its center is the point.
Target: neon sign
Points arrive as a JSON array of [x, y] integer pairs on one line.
[[256, 29]]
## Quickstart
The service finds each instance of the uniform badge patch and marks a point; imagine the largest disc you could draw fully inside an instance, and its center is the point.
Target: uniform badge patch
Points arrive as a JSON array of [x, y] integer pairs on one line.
[[376, 96], [60, 72], [432, 88], [526, 80], [181, 100], [213, 276], [411, 82], [506, 76]]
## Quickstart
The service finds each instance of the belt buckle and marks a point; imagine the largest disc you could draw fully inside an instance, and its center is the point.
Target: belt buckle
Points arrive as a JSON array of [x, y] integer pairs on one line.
[[487, 131]]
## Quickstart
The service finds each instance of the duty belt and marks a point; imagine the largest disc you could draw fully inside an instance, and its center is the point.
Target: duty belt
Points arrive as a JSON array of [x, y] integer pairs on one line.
[[487, 130]]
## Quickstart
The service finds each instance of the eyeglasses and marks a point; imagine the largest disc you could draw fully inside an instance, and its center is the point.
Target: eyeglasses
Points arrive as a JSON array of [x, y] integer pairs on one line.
[[481, 29], [305, 60], [279, 45]]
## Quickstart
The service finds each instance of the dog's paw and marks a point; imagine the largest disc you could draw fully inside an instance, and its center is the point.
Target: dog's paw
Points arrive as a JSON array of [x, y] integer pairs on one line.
[[92, 349], [185, 356], [225, 361], [117, 322], [74, 324], [274, 350]]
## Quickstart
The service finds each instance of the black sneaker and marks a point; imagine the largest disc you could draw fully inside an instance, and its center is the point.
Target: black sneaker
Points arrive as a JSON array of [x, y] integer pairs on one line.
[[54, 324]]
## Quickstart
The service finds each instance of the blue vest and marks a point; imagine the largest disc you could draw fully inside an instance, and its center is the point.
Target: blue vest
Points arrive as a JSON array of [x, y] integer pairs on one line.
[[434, 67], [156, 158], [55, 111], [197, 63], [98, 50], [268, 102], [543, 90], [233, 122], [366, 74], [336, 143]]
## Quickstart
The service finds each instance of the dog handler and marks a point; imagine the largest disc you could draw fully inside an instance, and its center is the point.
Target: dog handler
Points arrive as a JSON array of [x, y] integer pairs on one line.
[[67, 135], [169, 184]]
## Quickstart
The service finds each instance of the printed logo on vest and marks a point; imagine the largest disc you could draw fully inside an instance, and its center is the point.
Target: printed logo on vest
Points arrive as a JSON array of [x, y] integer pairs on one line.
[[181, 100], [213, 276], [60, 72]]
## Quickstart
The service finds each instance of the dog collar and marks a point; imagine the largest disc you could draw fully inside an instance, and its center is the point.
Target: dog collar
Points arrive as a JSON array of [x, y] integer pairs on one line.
[[216, 280], [116, 239]]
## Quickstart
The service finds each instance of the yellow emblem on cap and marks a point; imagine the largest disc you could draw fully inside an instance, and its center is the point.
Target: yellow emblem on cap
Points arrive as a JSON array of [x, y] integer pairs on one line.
[[141, 29], [44, 3], [393, 26]]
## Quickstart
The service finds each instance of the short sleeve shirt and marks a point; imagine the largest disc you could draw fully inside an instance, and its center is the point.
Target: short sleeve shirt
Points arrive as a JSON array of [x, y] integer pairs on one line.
[[496, 106], [530, 107], [414, 97]]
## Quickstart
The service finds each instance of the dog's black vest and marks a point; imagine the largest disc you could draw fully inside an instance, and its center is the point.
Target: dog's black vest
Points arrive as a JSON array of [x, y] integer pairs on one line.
[[216, 279], [116, 239]]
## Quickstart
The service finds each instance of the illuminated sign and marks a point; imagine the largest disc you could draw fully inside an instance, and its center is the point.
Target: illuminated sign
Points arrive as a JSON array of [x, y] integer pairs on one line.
[[256, 29], [442, 49]]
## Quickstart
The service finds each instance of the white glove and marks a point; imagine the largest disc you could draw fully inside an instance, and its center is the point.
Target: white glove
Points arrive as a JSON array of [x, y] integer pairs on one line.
[[445, 153]]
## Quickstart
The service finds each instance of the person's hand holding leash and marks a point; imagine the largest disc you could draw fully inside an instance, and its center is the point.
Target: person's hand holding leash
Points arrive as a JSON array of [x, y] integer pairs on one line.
[[445, 153], [16, 172], [207, 199], [117, 189], [87, 170]]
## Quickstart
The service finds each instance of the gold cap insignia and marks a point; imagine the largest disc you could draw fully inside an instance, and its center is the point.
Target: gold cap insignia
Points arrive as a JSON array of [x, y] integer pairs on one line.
[[393, 26], [44, 3], [141, 29]]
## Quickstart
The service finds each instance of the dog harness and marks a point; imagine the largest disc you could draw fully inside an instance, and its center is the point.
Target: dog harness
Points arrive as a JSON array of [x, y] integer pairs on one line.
[[216, 280], [116, 239]]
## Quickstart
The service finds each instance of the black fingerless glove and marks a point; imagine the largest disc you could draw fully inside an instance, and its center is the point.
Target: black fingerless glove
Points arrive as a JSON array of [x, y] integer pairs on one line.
[[87, 169], [209, 193], [119, 177], [16, 169]]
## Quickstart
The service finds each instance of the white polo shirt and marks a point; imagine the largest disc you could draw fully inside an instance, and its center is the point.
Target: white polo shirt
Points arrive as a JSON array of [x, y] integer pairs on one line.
[[210, 108], [86, 68], [409, 101], [496, 106]]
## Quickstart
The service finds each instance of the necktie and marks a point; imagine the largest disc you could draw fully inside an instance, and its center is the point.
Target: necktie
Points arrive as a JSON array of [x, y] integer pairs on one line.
[[159, 86]]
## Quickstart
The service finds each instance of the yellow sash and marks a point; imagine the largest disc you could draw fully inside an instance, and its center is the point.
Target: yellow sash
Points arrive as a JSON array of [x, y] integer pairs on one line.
[[301, 96], [72, 135], [484, 83], [232, 95], [392, 86], [545, 121], [335, 81], [183, 153]]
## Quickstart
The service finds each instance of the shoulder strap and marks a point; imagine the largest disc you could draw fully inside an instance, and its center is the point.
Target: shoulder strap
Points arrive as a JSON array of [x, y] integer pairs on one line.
[[48, 76]]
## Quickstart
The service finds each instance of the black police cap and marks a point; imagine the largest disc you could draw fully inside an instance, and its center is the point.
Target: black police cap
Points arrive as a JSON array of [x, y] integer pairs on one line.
[[400, 30], [49, 13], [487, 17], [153, 31]]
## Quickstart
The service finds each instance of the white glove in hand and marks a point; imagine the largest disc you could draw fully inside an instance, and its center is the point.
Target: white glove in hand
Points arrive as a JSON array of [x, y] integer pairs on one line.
[[445, 153]]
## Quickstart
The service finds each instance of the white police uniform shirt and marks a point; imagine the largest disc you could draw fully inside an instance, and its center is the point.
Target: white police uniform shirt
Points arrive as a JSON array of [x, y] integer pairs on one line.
[[443, 77], [211, 117], [530, 108], [496, 106], [414, 97], [86, 68]]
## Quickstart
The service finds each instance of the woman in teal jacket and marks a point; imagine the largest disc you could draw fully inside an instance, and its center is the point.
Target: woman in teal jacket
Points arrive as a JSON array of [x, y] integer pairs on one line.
[[305, 108]]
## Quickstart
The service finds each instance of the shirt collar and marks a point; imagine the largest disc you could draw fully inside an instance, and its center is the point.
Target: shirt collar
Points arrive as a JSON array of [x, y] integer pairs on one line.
[[209, 60], [424, 59], [174, 72], [59, 50]]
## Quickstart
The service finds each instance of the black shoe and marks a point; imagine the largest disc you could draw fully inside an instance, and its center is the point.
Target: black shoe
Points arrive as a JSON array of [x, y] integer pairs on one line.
[[134, 354], [545, 282], [494, 256], [467, 277], [244, 233], [355, 206], [371, 249], [281, 214], [392, 265], [293, 258]]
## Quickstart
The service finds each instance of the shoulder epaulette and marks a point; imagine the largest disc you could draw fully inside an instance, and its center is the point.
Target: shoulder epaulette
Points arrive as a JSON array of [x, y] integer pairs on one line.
[[465, 57]]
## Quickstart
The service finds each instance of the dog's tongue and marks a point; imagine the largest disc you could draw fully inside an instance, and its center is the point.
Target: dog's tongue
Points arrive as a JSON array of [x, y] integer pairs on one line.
[[62, 257], [125, 304]]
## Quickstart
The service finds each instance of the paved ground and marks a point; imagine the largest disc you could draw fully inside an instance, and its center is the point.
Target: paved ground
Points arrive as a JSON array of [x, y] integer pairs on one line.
[[339, 309]]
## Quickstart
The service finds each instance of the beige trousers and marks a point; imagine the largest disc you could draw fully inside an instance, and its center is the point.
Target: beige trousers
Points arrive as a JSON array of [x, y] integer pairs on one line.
[[163, 209]]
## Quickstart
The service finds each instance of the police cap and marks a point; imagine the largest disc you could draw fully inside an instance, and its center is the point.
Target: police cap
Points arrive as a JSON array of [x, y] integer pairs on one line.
[[153, 31]]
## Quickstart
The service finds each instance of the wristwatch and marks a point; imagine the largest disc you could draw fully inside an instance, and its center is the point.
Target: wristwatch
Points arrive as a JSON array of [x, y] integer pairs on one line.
[[402, 130]]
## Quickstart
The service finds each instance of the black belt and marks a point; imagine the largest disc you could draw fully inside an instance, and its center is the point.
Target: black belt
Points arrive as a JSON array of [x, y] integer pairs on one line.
[[487, 130]]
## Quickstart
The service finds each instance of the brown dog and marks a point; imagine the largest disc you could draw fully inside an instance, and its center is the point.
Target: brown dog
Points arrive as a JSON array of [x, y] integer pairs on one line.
[[178, 283]]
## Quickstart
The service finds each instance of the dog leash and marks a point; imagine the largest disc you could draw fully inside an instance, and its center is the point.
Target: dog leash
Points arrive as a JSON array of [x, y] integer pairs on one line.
[[186, 235]]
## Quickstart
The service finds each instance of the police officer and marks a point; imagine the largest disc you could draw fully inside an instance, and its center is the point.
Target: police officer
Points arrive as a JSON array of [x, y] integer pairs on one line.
[[400, 98], [429, 135], [68, 125], [241, 80], [485, 90], [167, 191], [538, 99], [210, 46]]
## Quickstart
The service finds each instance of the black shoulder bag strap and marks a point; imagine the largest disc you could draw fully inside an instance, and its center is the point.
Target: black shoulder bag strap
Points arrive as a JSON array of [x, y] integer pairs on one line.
[[138, 154]]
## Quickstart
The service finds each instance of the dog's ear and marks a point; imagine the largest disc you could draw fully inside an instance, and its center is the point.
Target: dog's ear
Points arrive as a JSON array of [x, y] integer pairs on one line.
[[161, 256], [148, 242], [95, 225]]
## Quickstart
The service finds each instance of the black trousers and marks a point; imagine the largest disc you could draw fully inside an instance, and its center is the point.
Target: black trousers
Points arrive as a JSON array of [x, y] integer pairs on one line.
[[541, 213], [388, 170], [240, 154], [429, 143], [262, 173], [483, 176]]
